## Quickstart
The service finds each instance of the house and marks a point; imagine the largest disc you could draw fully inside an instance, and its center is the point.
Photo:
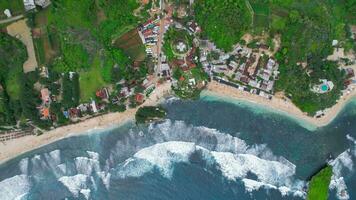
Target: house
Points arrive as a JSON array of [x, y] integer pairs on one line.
[[43, 3], [334, 43], [83, 108], [219, 68], [192, 82], [350, 72], [102, 93], [93, 106], [254, 83], [125, 92], [45, 95], [7, 13], [270, 85], [139, 98], [245, 79], [270, 64], [45, 113], [224, 57], [29, 4], [66, 114], [74, 112], [193, 27]]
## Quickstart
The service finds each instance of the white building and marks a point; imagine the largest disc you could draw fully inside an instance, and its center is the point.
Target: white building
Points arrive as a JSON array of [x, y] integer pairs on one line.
[[7, 13], [93, 106], [29, 4], [43, 3]]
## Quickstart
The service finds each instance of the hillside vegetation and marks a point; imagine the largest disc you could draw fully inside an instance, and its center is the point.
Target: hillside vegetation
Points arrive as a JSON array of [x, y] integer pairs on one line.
[[307, 29], [223, 21], [12, 56], [319, 185]]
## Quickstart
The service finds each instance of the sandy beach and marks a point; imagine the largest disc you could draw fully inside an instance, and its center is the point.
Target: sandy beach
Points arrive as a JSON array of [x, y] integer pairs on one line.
[[13, 148], [280, 104]]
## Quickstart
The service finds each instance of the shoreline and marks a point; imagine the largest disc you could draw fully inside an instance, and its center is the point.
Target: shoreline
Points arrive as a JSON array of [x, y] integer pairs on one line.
[[16, 147], [280, 105]]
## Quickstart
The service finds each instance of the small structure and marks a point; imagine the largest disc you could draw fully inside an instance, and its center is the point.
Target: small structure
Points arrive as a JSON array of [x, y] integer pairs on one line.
[[350, 73], [7, 13], [45, 113], [102, 93], [335, 42], [192, 82], [324, 87], [74, 112], [181, 47], [66, 114], [29, 4], [43, 3], [93, 106], [45, 96], [139, 98]]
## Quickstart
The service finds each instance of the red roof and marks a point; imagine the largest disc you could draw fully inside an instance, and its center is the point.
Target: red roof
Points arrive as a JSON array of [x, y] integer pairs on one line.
[[102, 93], [45, 112], [139, 98]]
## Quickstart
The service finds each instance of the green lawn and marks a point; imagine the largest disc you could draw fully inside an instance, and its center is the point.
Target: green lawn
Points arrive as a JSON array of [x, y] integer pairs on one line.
[[90, 81], [16, 7], [40, 52], [319, 185], [13, 82]]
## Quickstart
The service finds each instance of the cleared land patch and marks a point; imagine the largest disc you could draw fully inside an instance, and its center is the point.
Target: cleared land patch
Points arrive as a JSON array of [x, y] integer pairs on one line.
[[131, 44], [21, 31]]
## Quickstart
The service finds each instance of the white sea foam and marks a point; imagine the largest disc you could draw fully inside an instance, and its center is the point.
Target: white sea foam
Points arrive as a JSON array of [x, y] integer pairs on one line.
[[162, 156], [252, 185], [77, 175], [93, 155], [171, 99], [86, 193], [339, 184], [236, 166], [15, 187], [86, 165], [349, 137], [23, 165], [343, 162], [76, 184]]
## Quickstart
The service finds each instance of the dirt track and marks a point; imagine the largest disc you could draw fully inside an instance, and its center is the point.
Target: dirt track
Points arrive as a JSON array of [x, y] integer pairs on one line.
[[21, 31]]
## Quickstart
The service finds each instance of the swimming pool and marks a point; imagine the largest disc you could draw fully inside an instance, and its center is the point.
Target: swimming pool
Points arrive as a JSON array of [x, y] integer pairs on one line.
[[324, 87]]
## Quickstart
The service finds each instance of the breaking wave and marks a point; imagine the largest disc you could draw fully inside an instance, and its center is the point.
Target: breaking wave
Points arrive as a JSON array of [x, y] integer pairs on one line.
[[160, 147], [78, 176], [344, 162], [231, 155]]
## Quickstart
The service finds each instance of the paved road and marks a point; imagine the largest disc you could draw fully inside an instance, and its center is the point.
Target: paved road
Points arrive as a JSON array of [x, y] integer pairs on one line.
[[4, 21], [160, 39]]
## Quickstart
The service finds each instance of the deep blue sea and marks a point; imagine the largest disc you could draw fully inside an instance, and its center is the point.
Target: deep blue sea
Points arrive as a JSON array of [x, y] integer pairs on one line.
[[210, 149]]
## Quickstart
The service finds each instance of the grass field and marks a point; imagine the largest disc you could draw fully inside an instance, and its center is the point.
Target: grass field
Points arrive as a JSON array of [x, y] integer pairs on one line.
[[90, 81], [132, 45], [40, 52], [319, 185], [45, 49], [261, 11], [13, 82], [15, 6]]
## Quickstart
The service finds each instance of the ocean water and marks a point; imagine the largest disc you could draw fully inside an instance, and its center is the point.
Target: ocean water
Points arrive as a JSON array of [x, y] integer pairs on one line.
[[210, 149]]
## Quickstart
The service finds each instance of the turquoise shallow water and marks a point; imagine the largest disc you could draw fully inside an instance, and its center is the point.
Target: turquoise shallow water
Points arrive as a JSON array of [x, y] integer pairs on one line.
[[206, 149]]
